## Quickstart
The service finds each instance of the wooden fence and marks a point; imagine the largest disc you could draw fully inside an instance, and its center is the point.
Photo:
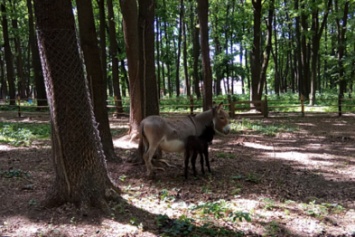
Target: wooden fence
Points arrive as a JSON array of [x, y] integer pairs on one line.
[[236, 108]]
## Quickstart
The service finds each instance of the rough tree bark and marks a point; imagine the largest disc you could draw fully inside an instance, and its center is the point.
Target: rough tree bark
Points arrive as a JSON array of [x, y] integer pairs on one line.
[[78, 157]]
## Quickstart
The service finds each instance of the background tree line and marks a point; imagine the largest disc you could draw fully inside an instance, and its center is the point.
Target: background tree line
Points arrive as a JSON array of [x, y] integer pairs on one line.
[[143, 48], [195, 48]]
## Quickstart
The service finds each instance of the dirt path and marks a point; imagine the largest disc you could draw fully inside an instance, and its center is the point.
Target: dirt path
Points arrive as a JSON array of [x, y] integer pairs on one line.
[[299, 183]]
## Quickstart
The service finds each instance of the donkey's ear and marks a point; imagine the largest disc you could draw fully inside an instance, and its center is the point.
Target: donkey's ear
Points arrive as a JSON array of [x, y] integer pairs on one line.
[[219, 107]]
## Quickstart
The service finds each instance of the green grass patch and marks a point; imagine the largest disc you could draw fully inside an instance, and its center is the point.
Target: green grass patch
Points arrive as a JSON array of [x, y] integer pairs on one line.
[[269, 129], [22, 134]]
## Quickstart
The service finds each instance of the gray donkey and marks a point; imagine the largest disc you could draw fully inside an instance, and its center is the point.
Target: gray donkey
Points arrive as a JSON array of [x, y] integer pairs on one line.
[[156, 133]]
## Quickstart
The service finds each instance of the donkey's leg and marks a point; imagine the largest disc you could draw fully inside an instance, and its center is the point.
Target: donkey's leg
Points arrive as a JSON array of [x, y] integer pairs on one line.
[[187, 158], [147, 156], [193, 162]]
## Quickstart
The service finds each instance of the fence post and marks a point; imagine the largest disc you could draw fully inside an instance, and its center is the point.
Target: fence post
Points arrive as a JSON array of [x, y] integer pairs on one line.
[[265, 107], [231, 103], [340, 98], [191, 104], [19, 106], [302, 105]]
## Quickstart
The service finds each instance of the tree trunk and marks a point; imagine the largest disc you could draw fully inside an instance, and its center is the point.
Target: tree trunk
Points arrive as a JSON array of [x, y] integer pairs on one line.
[[341, 26], [259, 61], [3, 87], [205, 52], [177, 68], [305, 56], [21, 82], [196, 53], [8, 56], [97, 85], [146, 58], [316, 37], [36, 61], [102, 35], [186, 71], [157, 61], [167, 53], [130, 29], [78, 157], [114, 58]]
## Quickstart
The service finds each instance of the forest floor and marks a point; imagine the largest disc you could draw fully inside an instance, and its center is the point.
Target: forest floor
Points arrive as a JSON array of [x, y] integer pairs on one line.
[[296, 183]]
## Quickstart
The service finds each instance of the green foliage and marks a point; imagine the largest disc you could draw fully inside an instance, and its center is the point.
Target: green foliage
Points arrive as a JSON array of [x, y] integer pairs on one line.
[[23, 134], [14, 173], [224, 155], [209, 229], [319, 210], [272, 228], [179, 227], [221, 210]]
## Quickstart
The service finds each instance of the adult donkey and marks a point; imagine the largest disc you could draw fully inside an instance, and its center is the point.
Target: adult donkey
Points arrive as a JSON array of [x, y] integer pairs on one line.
[[157, 133]]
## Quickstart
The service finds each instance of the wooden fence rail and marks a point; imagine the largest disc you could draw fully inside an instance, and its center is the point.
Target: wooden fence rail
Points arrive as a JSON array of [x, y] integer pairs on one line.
[[235, 107]]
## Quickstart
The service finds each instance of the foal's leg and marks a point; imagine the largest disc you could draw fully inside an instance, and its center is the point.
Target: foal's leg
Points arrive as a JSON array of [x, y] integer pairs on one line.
[[207, 159]]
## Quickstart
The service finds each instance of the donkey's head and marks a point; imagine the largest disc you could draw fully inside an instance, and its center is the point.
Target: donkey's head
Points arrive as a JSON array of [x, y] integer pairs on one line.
[[220, 120]]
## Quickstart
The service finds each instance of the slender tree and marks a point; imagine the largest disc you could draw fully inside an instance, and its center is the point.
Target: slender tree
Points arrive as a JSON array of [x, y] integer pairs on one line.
[[317, 30], [36, 61], [130, 28], [8, 55], [97, 85], [177, 68], [259, 61], [341, 27], [205, 51], [114, 58], [78, 157], [146, 57], [195, 32]]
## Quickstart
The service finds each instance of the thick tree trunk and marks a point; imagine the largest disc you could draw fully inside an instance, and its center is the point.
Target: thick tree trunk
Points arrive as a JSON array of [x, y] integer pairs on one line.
[[205, 51], [97, 85], [78, 158], [130, 29]]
